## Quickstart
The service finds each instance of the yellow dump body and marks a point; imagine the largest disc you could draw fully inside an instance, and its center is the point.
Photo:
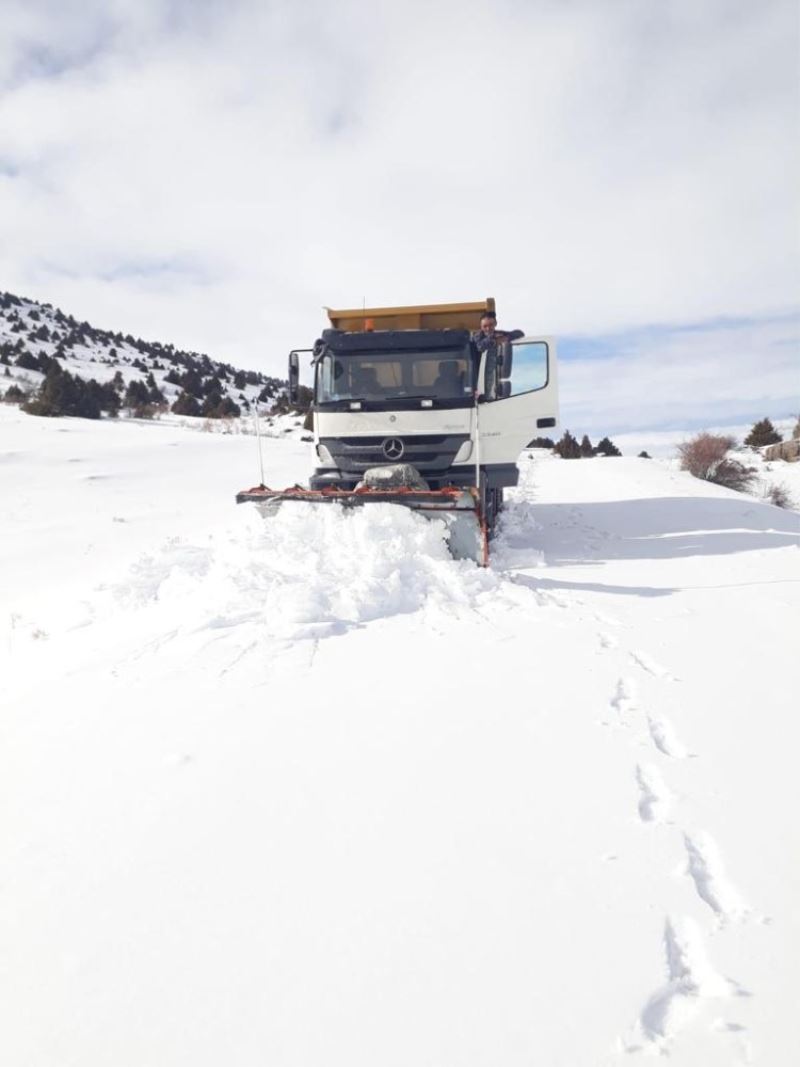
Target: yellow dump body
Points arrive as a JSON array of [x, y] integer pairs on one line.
[[420, 317]]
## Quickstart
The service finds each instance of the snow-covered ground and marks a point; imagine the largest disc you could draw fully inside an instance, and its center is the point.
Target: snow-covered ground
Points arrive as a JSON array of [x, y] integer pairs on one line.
[[307, 791]]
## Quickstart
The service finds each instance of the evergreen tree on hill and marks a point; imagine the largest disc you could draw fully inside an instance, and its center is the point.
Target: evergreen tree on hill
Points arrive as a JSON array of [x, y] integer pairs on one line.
[[13, 395], [191, 382], [606, 447], [213, 387], [136, 395], [226, 409], [106, 396], [62, 394], [27, 361], [568, 447], [186, 404], [586, 447], [762, 433]]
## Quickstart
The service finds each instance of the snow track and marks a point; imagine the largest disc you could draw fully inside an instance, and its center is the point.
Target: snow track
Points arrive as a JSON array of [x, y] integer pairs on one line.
[[306, 790]]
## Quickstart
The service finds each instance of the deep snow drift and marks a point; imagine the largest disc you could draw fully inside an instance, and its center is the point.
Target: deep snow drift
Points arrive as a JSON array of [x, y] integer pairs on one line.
[[307, 791]]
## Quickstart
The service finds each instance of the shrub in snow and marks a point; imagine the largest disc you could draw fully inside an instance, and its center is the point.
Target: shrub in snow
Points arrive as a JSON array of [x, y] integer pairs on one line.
[[541, 442], [779, 495], [706, 457], [762, 433], [586, 447], [644, 455]]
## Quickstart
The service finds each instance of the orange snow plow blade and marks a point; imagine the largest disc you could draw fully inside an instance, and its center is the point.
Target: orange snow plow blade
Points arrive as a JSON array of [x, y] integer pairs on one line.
[[459, 508]]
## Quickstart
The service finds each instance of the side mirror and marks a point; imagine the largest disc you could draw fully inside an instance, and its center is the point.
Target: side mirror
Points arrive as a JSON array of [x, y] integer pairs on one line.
[[503, 390], [294, 377]]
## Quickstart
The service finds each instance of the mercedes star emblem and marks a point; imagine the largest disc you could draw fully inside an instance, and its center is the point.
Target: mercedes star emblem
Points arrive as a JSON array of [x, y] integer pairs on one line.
[[393, 448]]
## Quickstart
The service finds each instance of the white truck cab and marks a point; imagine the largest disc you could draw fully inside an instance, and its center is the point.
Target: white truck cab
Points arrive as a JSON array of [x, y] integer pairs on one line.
[[427, 396]]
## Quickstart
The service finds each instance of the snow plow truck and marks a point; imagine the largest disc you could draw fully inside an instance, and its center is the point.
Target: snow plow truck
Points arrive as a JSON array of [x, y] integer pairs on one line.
[[410, 408]]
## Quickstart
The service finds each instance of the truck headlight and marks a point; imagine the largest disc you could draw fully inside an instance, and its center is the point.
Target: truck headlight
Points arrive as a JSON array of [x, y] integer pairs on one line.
[[324, 456], [463, 453]]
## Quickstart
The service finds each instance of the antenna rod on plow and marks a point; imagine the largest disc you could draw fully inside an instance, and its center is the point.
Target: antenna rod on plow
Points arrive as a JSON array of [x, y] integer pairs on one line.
[[258, 442], [481, 373]]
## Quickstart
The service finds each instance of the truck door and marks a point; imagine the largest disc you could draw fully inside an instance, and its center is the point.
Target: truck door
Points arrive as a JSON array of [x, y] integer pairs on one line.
[[526, 402]]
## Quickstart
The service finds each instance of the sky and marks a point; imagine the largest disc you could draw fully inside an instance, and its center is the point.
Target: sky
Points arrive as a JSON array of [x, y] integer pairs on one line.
[[622, 176]]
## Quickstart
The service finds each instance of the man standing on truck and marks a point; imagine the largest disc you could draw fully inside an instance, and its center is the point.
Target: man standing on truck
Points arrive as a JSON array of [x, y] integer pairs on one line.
[[489, 336]]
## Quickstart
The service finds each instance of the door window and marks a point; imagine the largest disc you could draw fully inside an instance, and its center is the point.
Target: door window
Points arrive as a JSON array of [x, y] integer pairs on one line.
[[528, 370]]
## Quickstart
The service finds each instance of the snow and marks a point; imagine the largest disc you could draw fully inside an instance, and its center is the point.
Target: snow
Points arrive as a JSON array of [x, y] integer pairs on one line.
[[102, 356], [307, 791]]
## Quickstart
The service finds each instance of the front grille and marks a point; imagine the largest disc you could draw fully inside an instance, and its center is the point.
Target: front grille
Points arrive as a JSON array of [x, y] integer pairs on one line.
[[426, 452]]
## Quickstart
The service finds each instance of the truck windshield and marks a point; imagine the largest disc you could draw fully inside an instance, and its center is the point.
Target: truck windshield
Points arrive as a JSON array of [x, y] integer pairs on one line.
[[441, 374]]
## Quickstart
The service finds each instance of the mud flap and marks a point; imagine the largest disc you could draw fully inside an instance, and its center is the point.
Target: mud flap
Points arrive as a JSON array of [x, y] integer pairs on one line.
[[458, 508]]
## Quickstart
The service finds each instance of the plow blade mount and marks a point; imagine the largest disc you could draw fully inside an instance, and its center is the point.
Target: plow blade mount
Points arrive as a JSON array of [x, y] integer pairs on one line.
[[459, 508]]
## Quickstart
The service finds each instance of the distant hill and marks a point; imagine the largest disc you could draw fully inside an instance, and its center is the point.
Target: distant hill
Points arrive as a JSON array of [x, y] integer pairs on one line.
[[48, 358]]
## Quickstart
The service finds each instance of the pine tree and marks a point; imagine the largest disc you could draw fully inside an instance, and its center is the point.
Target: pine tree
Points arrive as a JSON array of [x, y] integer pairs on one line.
[[27, 361], [586, 447], [762, 433], [137, 394], [213, 387], [607, 447], [186, 404], [107, 397], [568, 447], [62, 394], [191, 382]]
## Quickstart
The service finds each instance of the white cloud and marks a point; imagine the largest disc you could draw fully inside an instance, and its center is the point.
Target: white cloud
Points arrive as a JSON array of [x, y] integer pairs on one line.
[[663, 378], [213, 174]]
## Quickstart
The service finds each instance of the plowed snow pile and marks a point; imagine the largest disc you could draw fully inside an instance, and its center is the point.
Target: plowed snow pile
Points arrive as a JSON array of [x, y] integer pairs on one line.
[[307, 791]]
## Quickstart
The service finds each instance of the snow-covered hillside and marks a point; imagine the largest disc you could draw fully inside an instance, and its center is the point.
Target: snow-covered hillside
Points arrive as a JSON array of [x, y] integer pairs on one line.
[[307, 791], [32, 334]]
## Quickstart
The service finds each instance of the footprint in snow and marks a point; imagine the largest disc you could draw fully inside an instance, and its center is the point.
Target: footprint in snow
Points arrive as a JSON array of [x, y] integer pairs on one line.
[[648, 664], [623, 701], [663, 736], [691, 979], [655, 799], [705, 867]]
